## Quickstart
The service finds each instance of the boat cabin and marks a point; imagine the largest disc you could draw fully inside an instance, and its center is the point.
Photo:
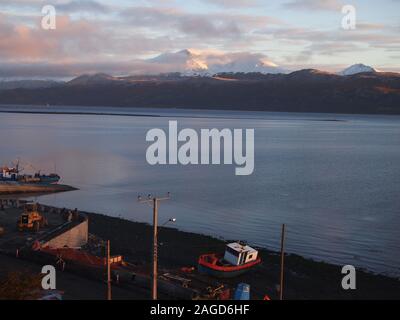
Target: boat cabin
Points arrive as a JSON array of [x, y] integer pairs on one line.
[[7, 173], [238, 254]]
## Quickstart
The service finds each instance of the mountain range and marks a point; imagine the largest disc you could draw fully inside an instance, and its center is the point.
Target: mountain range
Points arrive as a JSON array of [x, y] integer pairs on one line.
[[185, 63], [306, 90]]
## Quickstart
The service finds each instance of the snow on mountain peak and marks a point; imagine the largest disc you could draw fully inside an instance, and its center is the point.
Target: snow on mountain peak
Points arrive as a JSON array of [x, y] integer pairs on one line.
[[96, 78], [356, 68], [184, 61], [207, 62], [245, 62]]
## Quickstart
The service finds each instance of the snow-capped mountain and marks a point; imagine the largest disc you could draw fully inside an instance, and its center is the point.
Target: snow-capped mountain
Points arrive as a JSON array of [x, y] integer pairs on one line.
[[91, 79], [191, 61], [247, 63], [356, 68], [185, 61]]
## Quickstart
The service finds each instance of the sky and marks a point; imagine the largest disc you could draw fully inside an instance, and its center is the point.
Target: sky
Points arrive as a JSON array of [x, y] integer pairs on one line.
[[120, 36]]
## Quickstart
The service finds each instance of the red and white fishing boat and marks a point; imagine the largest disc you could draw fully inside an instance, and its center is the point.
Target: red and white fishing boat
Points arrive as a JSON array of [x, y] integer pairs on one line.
[[238, 259]]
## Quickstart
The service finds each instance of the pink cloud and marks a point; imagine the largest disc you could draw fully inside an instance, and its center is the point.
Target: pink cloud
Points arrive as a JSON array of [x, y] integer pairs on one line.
[[327, 5]]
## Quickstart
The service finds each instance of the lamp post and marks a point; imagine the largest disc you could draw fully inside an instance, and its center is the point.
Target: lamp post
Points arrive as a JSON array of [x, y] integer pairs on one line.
[[108, 271], [282, 262]]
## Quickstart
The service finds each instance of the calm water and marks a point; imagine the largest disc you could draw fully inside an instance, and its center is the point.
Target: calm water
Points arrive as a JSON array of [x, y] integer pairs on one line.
[[335, 184]]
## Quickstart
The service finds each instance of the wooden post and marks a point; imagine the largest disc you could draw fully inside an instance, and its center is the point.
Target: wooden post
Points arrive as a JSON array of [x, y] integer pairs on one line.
[[282, 262], [155, 249], [108, 271], [154, 201]]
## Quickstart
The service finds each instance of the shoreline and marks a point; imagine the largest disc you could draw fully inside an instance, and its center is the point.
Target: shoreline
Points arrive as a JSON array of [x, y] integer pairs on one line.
[[304, 278], [31, 188], [159, 112]]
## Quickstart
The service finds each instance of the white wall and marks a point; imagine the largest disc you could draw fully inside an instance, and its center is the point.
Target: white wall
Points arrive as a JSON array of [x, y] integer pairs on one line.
[[231, 258], [73, 238]]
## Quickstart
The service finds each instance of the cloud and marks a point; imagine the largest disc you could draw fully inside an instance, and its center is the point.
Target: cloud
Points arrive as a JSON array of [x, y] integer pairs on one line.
[[333, 48], [206, 26], [72, 37], [67, 4], [83, 5], [188, 60], [323, 5], [115, 35], [213, 61], [22, 2], [73, 40], [233, 3], [337, 40], [370, 26]]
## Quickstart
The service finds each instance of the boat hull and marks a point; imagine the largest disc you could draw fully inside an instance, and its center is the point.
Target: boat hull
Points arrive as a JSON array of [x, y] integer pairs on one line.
[[218, 271], [221, 274]]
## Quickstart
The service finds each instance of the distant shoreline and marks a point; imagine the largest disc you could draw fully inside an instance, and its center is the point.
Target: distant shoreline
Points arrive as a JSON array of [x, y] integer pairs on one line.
[[30, 188], [79, 113], [37, 110]]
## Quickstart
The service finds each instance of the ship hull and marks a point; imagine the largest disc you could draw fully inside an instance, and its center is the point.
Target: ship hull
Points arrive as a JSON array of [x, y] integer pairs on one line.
[[49, 179]]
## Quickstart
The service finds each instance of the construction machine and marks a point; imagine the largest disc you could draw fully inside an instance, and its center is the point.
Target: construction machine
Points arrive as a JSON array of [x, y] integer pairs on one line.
[[31, 219]]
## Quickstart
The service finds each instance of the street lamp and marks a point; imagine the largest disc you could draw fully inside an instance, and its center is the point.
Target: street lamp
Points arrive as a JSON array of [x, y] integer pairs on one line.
[[172, 220]]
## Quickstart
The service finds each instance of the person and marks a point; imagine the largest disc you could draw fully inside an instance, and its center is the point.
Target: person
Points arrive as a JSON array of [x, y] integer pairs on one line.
[[75, 214]]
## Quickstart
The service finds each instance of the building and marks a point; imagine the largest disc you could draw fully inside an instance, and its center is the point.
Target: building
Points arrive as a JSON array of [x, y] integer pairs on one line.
[[73, 234]]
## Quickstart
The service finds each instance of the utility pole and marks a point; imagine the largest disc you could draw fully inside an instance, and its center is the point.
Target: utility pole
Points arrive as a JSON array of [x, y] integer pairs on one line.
[[154, 201], [282, 261], [108, 271]]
